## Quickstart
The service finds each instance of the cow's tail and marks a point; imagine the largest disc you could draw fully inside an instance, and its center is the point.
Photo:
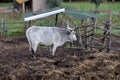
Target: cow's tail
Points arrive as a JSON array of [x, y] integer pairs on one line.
[[29, 39], [30, 42]]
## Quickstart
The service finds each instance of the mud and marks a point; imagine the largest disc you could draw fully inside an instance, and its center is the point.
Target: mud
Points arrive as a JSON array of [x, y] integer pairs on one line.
[[16, 63]]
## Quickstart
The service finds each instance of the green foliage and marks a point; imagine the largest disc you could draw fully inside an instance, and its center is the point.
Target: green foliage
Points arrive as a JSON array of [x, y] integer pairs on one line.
[[54, 3]]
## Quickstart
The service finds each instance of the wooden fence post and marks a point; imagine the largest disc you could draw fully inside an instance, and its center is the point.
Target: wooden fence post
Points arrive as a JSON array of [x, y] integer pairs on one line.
[[2, 27], [80, 35], [85, 34], [109, 34], [92, 33]]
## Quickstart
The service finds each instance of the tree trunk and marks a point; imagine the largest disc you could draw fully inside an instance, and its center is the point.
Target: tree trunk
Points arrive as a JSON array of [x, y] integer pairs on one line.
[[39, 5], [113, 1], [96, 6], [69, 3]]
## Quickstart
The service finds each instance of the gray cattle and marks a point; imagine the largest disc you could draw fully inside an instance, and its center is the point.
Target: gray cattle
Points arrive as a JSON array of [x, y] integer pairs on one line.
[[50, 36]]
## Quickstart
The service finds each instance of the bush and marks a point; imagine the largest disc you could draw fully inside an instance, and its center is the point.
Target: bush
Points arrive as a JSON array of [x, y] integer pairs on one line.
[[54, 3]]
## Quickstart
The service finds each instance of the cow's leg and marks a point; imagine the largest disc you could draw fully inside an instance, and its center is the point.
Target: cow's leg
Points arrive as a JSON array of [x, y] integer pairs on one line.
[[54, 49], [30, 48], [50, 47], [32, 52], [34, 48]]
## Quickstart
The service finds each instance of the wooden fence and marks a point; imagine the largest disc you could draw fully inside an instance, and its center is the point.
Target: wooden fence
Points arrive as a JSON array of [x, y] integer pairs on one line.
[[87, 36]]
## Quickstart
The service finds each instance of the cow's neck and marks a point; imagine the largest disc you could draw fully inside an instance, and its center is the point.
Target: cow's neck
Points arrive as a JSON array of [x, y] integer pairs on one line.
[[65, 38], [63, 35]]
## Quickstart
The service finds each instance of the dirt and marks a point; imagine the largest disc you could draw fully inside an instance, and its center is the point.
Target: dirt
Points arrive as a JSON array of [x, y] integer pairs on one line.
[[16, 63]]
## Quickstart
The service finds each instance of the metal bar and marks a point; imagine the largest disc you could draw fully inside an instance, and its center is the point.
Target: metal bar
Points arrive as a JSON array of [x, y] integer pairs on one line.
[[43, 15]]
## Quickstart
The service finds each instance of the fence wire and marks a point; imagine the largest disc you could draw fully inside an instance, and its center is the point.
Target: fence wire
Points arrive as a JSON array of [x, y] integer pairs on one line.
[[11, 28]]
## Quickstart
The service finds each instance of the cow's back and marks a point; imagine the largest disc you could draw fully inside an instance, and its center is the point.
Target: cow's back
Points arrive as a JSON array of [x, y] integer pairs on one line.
[[44, 35]]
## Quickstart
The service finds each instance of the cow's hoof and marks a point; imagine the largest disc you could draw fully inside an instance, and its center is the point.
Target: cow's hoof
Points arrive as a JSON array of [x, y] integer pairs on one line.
[[34, 57], [51, 56]]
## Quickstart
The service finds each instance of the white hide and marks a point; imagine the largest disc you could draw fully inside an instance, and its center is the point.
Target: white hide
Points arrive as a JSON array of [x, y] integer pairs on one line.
[[49, 36]]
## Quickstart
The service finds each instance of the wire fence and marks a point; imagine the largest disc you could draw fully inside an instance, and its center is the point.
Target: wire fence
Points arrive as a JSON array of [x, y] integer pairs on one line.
[[11, 28]]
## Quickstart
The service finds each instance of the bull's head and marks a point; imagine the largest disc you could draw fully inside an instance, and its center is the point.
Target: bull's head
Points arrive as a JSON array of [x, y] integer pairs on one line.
[[71, 33]]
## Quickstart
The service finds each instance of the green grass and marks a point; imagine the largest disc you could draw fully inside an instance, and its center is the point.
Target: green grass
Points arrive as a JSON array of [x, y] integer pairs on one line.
[[5, 4], [14, 24], [87, 6]]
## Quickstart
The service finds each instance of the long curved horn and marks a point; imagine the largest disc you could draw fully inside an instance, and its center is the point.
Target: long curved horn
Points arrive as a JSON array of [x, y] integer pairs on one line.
[[68, 25]]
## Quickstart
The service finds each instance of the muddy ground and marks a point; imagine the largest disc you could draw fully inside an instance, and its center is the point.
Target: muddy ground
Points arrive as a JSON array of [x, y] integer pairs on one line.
[[16, 63]]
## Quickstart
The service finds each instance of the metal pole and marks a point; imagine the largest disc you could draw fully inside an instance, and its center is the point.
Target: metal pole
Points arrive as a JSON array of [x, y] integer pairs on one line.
[[56, 19]]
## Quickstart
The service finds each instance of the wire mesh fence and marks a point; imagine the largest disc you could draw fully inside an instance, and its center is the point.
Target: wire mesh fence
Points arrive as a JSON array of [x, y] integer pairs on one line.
[[10, 28]]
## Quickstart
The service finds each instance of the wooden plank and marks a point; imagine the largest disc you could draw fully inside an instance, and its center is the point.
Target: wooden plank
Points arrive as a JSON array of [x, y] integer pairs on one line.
[[96, 39], [91, 30], [98, 47], [113, 26], [108, 31], [84, 26]]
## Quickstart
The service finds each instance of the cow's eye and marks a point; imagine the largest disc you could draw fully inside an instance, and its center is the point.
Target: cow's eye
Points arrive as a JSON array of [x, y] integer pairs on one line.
[[69, 31]]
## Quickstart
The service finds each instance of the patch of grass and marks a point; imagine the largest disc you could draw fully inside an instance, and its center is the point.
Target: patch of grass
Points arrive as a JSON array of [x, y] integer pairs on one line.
[[99, 32], [15, 33], [87, 6], [78, 6], [5, 4]]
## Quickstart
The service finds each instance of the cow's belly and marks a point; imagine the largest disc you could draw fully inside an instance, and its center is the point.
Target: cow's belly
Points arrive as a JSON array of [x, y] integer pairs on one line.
[[45, 39], [46, 36], [45, 42]]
